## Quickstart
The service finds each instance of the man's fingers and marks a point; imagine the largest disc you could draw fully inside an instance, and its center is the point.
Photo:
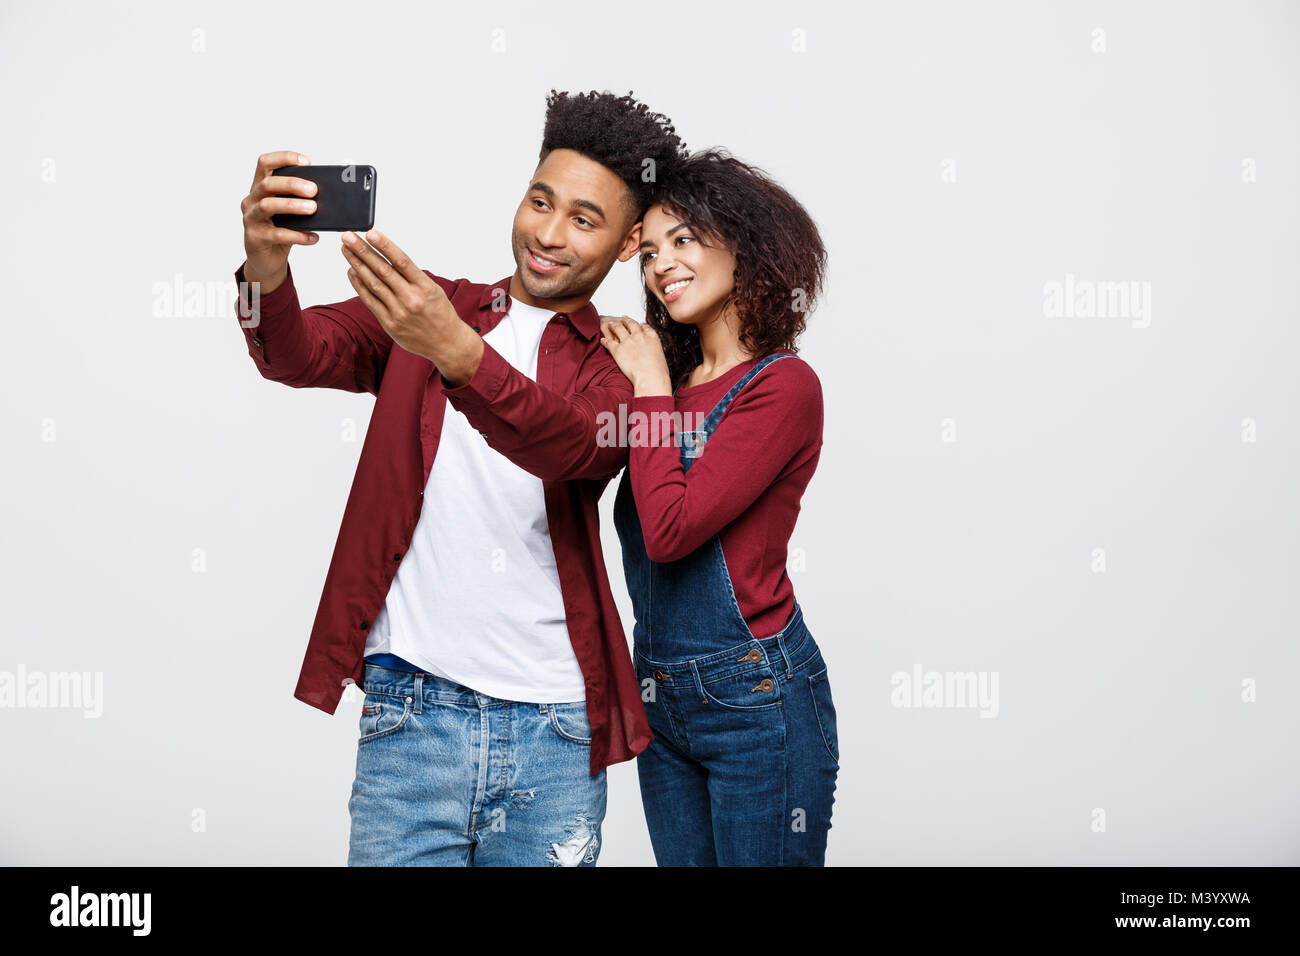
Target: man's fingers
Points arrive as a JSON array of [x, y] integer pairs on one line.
[[369, 299], [267, 206], [400, 261], [283, 186], [376, 263], [377, 286], [293, 237], [271, 161]]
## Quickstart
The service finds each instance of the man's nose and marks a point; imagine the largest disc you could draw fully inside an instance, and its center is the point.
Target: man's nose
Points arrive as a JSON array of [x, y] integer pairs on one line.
[[551, 234]]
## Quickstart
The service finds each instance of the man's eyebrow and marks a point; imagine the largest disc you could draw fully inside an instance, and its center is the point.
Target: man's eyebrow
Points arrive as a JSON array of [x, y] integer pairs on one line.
[[647, 242], [588, 204], [542, 187]]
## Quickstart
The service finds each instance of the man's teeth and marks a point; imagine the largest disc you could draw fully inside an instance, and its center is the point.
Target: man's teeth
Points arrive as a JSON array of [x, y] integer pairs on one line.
[[544, 261], [674, 286]]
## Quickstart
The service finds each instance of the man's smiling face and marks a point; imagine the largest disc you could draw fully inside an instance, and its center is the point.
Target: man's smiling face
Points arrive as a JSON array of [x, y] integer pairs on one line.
[[575, 220]]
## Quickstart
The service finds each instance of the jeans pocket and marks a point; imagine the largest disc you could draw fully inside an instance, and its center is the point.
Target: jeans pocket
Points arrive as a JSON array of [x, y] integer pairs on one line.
[[570, 722], [382, 715], [751, 690], [824, 710]]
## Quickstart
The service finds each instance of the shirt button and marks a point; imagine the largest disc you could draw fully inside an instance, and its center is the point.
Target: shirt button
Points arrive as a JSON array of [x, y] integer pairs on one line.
[[365, 625], [257, 341], [397, 557]]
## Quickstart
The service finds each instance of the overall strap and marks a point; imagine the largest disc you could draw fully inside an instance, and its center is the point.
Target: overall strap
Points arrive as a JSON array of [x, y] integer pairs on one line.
[[693, 441], [720, 409]]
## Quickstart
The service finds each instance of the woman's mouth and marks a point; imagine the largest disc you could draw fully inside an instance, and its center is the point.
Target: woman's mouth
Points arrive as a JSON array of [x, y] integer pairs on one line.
[[539, 264], [673, 290]]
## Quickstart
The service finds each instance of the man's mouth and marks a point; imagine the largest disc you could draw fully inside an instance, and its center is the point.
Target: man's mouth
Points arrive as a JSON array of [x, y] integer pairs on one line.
[[674, 290], [542, 264]]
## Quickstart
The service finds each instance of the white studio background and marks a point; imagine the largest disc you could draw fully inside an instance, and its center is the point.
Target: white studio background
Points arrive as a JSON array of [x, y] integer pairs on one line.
[[1098, 510]]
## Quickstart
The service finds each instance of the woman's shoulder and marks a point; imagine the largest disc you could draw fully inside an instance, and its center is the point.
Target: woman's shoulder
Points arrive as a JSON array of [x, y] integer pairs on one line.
[[790, 375]]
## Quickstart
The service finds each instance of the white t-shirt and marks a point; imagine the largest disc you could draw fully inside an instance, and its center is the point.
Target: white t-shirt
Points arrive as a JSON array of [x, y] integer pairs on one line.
[[476, 598]]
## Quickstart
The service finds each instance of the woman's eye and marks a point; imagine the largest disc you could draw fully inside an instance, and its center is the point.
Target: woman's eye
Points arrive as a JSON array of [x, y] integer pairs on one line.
[[683, 238], [646, 257]]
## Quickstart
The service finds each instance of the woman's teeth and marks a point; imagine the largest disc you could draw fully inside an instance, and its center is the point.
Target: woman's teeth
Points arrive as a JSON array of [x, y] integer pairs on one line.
[[674, 286]]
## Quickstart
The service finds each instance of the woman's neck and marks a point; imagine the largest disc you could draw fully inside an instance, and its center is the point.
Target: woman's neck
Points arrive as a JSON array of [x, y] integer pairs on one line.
[[720, 346]]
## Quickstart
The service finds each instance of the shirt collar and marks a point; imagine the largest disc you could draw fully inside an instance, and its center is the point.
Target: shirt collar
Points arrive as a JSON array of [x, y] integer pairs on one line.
[[586, 319]]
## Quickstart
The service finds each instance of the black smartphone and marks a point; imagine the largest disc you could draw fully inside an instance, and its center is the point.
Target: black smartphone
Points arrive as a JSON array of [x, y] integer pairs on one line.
[[345, 199]]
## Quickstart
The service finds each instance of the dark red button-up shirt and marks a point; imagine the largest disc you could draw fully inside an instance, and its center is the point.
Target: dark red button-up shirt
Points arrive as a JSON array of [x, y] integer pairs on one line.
[[547, 427]]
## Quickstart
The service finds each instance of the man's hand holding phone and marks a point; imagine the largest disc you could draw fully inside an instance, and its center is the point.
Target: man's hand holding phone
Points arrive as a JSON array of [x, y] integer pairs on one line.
[[266, 245]]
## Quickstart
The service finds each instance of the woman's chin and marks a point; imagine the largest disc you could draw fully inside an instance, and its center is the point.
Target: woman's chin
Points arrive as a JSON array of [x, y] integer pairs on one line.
[[683, 315]]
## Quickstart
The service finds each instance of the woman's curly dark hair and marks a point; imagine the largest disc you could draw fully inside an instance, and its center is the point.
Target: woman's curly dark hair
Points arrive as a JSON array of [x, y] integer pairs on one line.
[[780, 258], [619, 133]]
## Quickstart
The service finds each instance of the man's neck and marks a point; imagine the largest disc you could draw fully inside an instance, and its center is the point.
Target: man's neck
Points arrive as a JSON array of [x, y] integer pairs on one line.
[[566, 305]]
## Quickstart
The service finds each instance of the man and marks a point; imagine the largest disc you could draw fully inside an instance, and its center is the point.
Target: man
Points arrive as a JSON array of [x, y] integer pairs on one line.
[[467, 589]]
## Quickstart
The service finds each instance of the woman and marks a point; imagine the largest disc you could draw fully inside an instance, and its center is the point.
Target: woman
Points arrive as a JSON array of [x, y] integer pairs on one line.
[[743, 764]]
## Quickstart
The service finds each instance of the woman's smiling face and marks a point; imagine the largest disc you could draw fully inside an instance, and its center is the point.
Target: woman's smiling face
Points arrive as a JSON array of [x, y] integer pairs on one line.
[[691, 279]]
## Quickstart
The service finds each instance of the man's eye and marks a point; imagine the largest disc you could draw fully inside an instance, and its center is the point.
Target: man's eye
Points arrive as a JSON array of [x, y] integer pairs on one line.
[[583, 221]]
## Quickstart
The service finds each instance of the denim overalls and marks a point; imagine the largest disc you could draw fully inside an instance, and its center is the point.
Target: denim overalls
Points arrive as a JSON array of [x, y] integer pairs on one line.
[[742, 767]]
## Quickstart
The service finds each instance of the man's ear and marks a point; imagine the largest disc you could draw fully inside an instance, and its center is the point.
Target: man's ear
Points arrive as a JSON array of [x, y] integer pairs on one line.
[[631, 244]]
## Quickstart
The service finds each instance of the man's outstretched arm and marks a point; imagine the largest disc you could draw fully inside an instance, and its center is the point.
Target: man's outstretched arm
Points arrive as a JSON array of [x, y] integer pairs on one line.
[[552, 436]]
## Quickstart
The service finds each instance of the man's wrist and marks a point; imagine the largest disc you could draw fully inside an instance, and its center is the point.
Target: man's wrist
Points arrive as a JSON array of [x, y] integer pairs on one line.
[[461, 349], [266, 284]]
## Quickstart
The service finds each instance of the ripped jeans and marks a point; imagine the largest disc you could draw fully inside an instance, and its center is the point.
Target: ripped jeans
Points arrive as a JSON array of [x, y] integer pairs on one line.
[[447, 776]]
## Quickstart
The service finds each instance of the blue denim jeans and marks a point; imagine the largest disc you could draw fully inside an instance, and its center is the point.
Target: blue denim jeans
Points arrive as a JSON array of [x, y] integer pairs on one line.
[[742, 768], [447, 776]]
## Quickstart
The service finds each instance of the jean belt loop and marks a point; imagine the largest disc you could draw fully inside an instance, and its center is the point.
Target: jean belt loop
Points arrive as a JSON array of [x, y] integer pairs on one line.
[[419, 690], [699, 685], [541, 708], [780, 642]]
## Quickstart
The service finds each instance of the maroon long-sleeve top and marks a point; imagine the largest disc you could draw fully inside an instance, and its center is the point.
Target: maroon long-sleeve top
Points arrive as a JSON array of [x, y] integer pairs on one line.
[[747, 485]]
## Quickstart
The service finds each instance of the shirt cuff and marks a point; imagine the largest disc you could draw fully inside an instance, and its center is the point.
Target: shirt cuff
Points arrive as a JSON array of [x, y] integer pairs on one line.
[[274, 301], [271, 304], [483, 386]]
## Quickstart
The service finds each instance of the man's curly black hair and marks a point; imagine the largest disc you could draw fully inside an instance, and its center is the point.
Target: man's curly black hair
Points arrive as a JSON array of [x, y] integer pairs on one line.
[[619, 133]]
